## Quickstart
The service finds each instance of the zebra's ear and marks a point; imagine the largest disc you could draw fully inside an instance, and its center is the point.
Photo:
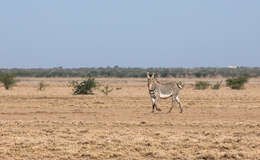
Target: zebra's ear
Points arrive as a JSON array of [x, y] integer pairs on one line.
[[148, 75], [180, 84]]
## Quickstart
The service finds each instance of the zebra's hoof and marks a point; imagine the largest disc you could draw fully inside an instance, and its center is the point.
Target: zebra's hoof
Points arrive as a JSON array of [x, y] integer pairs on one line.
[[158, 109]]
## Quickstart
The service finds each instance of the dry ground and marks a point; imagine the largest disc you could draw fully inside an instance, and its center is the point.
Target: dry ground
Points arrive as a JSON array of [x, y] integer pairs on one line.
[[54, 124]]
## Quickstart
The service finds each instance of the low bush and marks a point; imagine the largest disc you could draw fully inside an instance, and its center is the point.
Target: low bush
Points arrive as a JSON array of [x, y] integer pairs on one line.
[[237, 83], [84, 87], [8, 80], [201, 85]]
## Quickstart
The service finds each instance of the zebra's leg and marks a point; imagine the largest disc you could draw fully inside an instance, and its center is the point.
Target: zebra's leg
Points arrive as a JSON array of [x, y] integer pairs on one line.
[[157, 104], [153, 103], [180, 104], [173, 100]]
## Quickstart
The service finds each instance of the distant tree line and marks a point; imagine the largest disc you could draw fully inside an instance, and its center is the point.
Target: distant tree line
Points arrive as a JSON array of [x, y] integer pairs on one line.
[[117, 71]]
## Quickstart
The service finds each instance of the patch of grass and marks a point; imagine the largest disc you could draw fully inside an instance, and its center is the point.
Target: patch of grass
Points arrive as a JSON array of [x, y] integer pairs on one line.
[[106, 90]]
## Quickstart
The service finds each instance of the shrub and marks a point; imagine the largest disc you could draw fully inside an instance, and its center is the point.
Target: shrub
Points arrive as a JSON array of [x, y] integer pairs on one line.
[[217, 85], [84, 87], [200, 85], [237, 83], [8, 80], [106, 90], [42, 86]]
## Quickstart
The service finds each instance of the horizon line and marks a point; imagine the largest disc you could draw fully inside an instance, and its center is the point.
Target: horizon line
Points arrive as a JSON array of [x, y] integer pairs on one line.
[[116, 66]]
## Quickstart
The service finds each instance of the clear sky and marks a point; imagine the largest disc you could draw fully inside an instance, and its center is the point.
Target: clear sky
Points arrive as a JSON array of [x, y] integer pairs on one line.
[[129, 33]]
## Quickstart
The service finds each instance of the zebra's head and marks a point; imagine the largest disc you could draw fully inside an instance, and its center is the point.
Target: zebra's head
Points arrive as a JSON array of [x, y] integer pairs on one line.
[[180, 84], [150, 78]]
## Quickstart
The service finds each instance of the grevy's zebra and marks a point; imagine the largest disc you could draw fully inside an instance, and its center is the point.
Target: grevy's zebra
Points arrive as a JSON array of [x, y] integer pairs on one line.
[[158, 90]]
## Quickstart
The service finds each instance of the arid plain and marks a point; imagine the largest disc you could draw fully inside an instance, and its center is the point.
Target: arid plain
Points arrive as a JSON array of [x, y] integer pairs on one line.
[[54, 124]]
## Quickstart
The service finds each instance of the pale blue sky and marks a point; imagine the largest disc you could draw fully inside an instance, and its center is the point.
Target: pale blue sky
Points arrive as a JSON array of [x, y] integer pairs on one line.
[[129, 33]]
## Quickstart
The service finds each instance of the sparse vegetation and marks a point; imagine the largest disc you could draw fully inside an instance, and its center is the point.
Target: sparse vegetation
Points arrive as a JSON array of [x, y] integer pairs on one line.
[[84, 87], [201, 85], [107, 89], [56, 125], [42, 86], [237, 83], [217, 85], [8, 80]]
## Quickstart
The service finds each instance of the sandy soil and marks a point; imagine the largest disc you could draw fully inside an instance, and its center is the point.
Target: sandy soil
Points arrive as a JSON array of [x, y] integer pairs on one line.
[[54, 124]]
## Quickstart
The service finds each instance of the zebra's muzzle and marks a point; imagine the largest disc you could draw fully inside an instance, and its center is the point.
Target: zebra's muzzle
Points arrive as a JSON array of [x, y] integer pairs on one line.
[[151, 91]]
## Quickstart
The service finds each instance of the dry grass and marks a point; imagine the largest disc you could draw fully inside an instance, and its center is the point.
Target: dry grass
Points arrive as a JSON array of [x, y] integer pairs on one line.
[[54, 124]]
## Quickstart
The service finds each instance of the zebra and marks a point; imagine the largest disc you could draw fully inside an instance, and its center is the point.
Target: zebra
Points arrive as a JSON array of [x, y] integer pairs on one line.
[[158, 90]]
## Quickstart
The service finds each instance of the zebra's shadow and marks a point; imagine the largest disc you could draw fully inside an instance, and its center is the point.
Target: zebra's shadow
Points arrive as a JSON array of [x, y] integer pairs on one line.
[[157, 113]]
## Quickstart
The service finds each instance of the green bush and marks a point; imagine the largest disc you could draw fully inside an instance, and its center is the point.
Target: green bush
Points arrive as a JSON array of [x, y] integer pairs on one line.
[[237, 83], [201, 85], [84, 87], [8, 80], [217, 85]]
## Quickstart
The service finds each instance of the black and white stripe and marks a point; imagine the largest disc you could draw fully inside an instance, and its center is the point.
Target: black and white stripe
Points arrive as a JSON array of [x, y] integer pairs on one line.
[[158, 91]]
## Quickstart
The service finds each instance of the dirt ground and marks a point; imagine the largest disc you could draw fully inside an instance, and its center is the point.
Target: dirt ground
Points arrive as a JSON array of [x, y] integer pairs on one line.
[[54, 124]]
